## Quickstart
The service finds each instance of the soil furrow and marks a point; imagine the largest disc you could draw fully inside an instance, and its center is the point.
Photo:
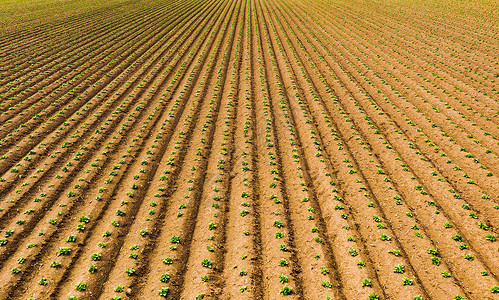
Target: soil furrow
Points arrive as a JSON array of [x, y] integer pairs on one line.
[[249, 149]]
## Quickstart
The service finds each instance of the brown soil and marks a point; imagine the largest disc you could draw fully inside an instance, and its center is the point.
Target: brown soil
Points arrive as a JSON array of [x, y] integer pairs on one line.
[[249, 149]]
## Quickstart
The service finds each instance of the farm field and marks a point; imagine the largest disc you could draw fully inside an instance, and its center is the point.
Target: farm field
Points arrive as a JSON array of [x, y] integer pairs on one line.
[[249, 149]]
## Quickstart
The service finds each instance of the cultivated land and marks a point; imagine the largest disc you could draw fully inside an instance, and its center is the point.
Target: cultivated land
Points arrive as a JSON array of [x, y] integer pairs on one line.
[[249, 149]]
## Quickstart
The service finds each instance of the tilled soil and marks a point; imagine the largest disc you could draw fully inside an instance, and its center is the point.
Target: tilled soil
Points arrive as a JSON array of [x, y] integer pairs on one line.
[[249, 149]]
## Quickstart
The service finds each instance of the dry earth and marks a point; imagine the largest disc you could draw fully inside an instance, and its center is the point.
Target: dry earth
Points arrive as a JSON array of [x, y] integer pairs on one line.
[[249, 149]]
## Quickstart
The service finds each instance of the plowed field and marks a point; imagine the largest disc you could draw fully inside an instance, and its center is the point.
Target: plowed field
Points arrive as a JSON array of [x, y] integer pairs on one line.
[[249, 149]]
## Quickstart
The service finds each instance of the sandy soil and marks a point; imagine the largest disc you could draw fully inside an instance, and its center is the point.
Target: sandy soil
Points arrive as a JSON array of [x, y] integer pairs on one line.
[[249, 149]]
